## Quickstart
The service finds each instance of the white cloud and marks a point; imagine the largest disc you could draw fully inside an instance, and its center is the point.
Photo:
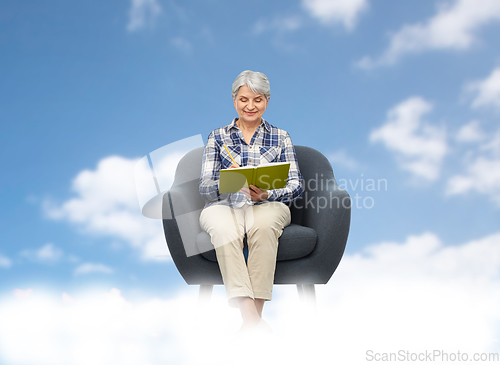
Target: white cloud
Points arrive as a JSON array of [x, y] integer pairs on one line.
[[453, 27], [280, 24], [417, 295], [419, 147], [5, 262], [141, 13], [47, 254], [22, 293], [345, 12], [106, 204], [328, 12], [90, 268], [487, 91], [96, 328], [109, 199], [67, 299], [482, 176], [414, 296], [183, 44], [470, 132], [279, 27], [343, 159], [482, 171]]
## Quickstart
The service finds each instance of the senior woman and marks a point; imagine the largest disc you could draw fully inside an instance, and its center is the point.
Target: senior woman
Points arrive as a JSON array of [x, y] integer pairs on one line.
[[261, 215]]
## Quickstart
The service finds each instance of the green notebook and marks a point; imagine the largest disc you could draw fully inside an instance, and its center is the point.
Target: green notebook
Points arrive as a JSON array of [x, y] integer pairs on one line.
[[266, 177]]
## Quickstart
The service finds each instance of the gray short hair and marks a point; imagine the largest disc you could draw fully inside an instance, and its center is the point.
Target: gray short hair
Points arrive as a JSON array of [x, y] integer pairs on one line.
[[255, 81]]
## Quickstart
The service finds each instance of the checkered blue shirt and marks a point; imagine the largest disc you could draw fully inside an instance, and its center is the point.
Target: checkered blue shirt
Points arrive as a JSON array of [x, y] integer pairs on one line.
[[268, 144]]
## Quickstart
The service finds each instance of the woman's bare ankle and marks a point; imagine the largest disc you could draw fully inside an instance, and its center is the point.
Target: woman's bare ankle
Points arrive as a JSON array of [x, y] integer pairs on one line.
[[250, 323], [249, 312]]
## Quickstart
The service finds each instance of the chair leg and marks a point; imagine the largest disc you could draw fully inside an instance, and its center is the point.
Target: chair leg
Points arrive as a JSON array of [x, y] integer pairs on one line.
[[307, 293], [310, 293], [205, 294], [300, 291]]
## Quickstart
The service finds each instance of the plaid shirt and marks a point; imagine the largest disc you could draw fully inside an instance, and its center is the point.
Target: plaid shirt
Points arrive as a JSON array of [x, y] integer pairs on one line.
[[268, 144]]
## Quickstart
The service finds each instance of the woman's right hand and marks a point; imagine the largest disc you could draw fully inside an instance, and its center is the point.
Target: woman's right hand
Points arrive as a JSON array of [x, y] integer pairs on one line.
[[234, 166]]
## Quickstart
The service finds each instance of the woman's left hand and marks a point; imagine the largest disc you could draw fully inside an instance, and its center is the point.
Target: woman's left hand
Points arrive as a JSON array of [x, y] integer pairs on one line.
[[254, 193]]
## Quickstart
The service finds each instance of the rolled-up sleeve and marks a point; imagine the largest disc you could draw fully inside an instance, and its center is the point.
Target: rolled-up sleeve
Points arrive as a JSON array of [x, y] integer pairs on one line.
[[295, 183], [209, 180]]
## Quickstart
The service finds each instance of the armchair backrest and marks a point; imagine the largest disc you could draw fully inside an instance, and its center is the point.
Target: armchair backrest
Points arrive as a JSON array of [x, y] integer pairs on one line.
[[189, 167], [318, 176], [187, 177]]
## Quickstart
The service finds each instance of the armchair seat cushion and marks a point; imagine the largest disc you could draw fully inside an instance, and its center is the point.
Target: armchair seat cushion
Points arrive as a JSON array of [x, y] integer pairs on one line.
[[295, 242]]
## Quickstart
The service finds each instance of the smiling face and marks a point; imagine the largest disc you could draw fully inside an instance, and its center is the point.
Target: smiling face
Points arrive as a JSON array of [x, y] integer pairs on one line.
[[249, 106]]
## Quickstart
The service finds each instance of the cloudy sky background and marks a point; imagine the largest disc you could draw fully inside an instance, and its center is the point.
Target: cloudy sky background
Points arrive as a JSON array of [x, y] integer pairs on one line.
[[406, 94]]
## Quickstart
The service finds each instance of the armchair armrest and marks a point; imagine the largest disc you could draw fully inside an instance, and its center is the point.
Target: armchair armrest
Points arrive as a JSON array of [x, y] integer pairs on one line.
[[181, 214], [326, 209], [329, 214]]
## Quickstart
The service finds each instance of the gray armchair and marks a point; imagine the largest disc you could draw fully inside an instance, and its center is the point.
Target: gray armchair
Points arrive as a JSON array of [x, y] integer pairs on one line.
[[309, 250]]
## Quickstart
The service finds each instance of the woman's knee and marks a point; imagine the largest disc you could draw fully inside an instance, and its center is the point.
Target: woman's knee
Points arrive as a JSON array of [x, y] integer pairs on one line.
[[268, 222], [223, 235], [264, 228]]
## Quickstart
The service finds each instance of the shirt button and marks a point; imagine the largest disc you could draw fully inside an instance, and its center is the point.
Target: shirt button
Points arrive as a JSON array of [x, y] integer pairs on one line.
[[250, 160], [250, 147]]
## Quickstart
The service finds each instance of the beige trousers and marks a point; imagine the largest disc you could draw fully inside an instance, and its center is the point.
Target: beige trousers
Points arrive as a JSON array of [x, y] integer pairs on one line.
[[263, 225]]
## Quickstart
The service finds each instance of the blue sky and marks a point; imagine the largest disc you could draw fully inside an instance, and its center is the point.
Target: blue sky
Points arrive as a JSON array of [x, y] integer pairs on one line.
[[404, 92]]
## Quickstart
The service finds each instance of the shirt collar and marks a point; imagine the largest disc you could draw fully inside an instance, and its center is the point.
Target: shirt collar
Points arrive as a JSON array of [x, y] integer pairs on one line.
[[266, 125], [233, 125]]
